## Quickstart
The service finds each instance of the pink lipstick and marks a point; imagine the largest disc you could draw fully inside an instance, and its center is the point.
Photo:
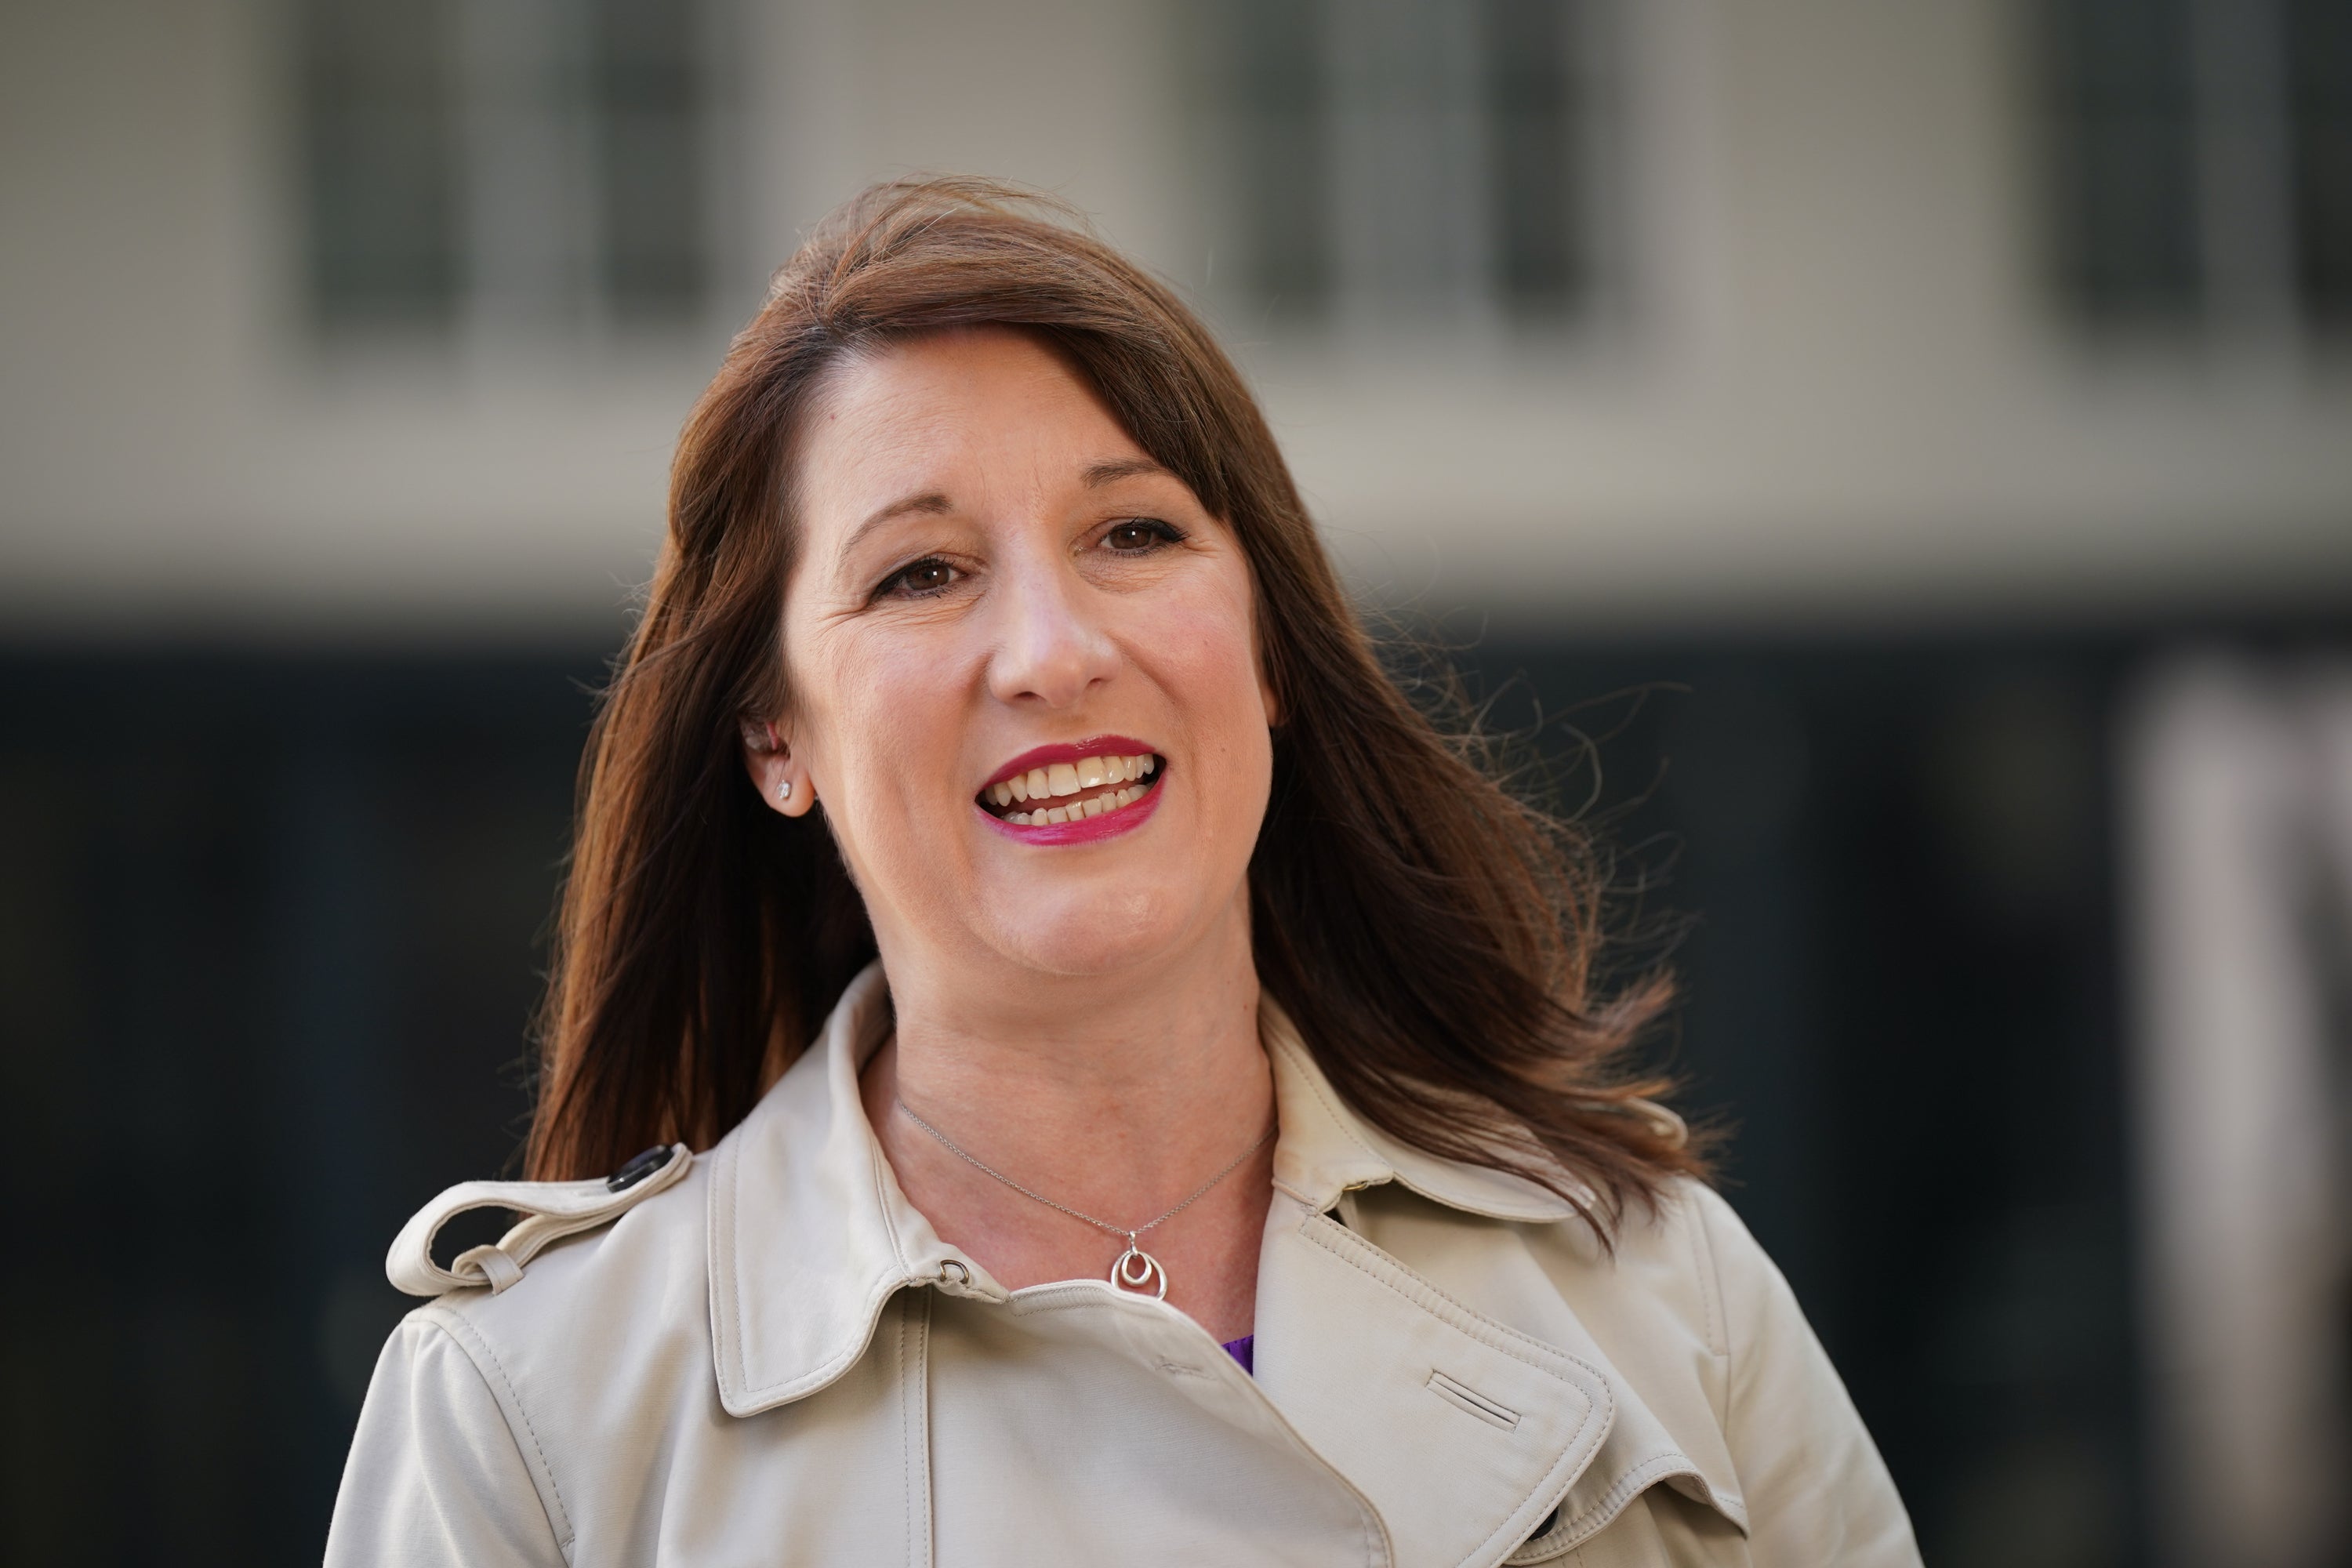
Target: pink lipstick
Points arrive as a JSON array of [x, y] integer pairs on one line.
[[1093, 789], [1075, 751]]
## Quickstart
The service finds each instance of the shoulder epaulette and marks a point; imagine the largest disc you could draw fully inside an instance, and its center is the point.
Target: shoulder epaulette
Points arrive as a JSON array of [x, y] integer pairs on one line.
[[550, 1210]]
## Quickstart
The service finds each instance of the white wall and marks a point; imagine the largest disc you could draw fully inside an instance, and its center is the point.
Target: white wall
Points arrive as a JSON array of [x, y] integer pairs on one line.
[[1832, 392]]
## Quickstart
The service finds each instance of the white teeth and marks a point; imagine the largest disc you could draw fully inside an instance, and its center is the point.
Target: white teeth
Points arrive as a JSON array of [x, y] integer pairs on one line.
[[1063, 779], [1077, 811]]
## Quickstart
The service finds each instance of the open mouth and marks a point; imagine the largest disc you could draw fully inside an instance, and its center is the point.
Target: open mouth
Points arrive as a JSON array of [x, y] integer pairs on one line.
[[1079, 787]]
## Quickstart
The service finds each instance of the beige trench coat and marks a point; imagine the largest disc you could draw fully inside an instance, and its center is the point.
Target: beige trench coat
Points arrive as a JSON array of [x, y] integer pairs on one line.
[[766, 1355]]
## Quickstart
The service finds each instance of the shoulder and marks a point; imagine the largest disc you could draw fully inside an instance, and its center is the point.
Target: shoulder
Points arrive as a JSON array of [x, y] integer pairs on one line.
[[597, 1324], [1793, 1446], [617, 1278], [474, 1442], [1746, 1304], [1664, 1266], [542, 1399], [1685, 1271], [445, 1467], [543, 1389], [1690, 1247]]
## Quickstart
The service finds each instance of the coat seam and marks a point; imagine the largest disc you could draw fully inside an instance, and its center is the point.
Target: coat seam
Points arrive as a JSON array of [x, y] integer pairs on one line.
[[905, 1443], [1611, 1503], [1703, 1261], [914, 1315], [564, 1534], [1573, 1438], [1565, 1536], [732, 1341], [1730, 1361], [1076, 1301]]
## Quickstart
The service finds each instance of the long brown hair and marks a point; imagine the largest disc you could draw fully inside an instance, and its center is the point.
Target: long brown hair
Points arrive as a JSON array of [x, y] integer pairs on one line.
[[1434, 938]]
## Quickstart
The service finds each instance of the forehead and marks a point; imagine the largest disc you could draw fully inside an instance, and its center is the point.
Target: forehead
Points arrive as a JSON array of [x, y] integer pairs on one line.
[[975, 404]]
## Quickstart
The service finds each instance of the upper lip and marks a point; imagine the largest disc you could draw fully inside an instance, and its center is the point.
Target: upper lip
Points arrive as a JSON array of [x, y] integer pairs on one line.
[[1070, 751]]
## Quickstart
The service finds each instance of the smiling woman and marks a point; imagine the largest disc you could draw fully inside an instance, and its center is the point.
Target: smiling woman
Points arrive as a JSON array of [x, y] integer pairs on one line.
[[1105, 968]]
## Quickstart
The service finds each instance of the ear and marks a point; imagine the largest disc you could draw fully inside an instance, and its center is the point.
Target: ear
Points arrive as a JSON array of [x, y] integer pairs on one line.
[[783, 781]]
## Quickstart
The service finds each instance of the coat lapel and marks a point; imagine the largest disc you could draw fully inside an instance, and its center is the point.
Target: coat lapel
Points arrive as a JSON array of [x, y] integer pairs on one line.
[[1464, 1434], [1467, 1434]]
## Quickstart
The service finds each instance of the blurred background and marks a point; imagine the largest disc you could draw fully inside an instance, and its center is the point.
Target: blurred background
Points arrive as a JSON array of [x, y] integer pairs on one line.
[[1898, 455]]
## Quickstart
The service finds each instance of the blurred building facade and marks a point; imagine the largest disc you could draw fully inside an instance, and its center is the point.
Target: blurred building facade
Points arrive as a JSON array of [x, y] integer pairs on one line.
[[333, 311], [1896, 384]]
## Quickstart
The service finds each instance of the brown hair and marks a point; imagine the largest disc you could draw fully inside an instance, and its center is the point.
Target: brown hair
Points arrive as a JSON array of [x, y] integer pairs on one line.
[[1433, 936]]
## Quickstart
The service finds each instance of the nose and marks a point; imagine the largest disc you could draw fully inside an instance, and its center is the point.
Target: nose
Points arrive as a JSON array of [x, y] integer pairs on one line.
[[1053, 646]]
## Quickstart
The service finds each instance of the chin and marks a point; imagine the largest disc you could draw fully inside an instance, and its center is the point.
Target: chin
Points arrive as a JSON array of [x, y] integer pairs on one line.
[[1092, 936]]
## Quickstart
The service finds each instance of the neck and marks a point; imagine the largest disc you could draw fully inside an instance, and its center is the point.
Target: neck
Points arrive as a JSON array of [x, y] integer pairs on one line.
[[1117, 1094], [1112, 1081]]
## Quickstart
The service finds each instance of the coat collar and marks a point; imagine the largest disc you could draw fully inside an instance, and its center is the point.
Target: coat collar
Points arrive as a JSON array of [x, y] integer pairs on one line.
[[809, 1233], [810, 1236], [1324, 1149]]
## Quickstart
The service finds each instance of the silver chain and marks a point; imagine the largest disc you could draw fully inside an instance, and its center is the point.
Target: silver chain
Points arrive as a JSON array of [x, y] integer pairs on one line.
[[949, 1144]]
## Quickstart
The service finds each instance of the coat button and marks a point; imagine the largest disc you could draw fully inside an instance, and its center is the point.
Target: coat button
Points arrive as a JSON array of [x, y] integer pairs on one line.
[[638, 1169]]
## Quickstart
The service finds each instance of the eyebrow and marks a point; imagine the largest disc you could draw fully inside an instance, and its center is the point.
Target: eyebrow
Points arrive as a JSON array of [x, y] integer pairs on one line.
[[931, 501], [1094, 476], [1098, 474]]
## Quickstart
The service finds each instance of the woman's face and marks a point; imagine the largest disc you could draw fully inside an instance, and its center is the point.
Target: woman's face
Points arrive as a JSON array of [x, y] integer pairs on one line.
[[1023, 664]]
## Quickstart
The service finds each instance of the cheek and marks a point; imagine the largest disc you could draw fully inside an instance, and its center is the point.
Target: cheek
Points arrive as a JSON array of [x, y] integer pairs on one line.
[[897, 721], [1209, 657], [875, 717]]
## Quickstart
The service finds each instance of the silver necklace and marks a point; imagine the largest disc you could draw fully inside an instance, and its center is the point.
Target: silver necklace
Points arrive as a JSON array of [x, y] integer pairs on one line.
[[1134, 1269]]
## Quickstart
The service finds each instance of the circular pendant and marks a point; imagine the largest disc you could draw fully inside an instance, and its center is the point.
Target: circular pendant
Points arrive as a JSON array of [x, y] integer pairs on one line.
[[1139, 1271]]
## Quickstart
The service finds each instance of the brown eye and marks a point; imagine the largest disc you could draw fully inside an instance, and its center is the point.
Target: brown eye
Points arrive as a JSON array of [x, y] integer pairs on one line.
[[926, 577], [1139, 534]]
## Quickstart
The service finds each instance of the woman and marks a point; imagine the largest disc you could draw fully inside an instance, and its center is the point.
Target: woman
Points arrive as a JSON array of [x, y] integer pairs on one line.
[[1122, 1086]]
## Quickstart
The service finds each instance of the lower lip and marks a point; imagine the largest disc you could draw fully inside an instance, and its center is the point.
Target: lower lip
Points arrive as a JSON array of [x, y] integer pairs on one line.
[[1085, 830]]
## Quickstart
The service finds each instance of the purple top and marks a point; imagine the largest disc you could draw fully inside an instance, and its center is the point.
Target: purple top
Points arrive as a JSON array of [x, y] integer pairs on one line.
[[1240, 1350]]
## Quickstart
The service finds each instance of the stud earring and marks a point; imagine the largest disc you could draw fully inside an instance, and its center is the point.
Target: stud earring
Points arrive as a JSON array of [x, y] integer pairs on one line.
[[784, 790]]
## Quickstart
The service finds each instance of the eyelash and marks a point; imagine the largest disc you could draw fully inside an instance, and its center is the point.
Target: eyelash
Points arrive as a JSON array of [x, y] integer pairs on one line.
[[1161, 535], [897, 581]]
